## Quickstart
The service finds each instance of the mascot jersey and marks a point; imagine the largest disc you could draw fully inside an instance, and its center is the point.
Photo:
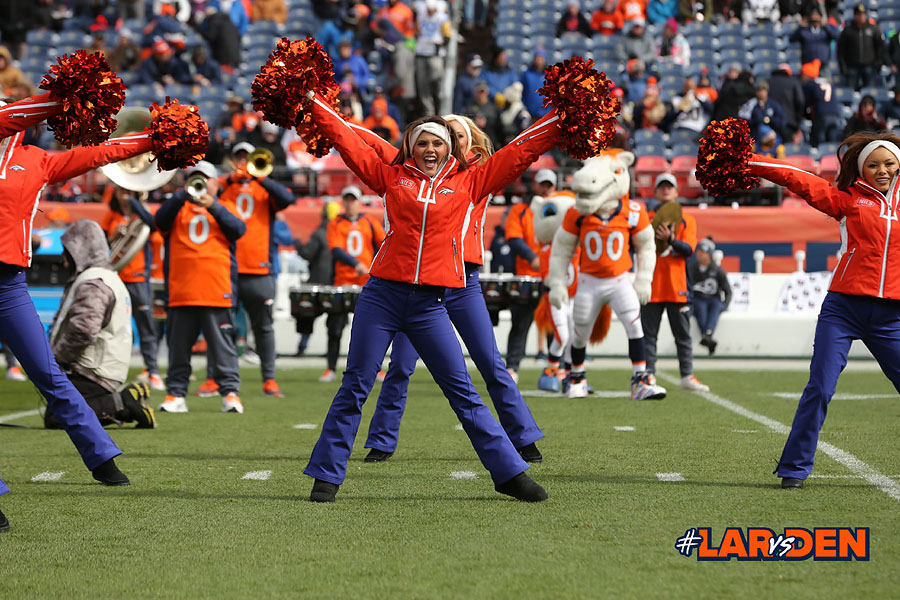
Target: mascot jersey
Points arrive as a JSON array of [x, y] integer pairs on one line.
[[605, 242]]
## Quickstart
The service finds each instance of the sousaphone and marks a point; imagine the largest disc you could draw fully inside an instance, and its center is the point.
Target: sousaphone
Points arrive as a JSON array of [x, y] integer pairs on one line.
[[138, 174], [669, 214]]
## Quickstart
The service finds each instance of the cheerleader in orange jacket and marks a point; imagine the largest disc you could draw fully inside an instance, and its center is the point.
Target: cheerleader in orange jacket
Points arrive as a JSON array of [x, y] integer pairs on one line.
[[863, 300], [430, 194]]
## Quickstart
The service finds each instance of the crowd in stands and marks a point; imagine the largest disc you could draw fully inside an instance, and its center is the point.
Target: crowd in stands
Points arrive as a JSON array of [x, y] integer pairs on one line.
[[803, 73]]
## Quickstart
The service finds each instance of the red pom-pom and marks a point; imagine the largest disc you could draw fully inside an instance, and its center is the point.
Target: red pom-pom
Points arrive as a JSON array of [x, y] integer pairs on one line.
[[723, 156], [90, 94], [180, 136], [587, 112]]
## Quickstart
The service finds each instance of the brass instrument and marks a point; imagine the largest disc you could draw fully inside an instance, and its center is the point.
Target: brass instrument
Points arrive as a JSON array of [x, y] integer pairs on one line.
[[137, 174], [196, 186], [669, 214], [260, 163]]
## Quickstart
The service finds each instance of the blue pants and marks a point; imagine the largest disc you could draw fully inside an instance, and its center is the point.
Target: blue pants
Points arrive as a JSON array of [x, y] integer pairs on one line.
[[21, 329], [843, 318], [469, 315], [707, 310], [384, 309]]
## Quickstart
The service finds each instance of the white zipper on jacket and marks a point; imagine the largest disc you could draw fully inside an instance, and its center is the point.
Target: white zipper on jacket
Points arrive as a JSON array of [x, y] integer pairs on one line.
[[847, 264], [447, 166], [27, 231], [889, 199]]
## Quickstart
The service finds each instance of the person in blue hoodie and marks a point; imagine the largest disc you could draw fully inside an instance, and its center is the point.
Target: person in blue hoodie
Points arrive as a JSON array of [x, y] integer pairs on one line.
[[660, 11], [815, 40], [532, 80], [498, 75]]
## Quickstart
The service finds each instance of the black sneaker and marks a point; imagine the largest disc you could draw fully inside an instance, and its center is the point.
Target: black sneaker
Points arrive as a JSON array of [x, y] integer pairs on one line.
[[134, 399], [323, 491], [376, 455], [791, 483], [531, 454], [522, 487], [4, 522], [109, 474]]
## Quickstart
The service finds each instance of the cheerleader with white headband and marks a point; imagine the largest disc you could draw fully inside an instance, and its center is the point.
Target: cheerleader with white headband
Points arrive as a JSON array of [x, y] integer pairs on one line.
[[470, 317], [863, 300], [431, 193]]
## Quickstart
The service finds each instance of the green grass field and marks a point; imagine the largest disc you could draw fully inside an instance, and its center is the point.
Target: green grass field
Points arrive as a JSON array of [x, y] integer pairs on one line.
[[191, 527]]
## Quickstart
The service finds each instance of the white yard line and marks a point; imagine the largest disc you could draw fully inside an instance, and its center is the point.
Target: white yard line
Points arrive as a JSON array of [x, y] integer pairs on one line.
[[796, 396], [670, 476], [458, 427], [48, 476], [623, 428], [305, 426], [856, 466], [463, 475], [19, 415], [257, 475]]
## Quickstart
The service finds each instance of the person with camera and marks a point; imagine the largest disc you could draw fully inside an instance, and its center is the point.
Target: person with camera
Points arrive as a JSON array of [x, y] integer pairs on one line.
[[200, 235]]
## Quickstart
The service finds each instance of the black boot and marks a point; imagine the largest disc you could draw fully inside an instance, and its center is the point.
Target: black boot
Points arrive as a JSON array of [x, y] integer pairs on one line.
[[530, 453], [109, 474], [522, 487], [376, 455], [791, 483], [4, 522], [323, 491]]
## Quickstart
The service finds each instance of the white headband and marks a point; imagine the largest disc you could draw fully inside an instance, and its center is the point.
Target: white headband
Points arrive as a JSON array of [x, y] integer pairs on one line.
[[432, 128], [465, 126], [871, 146]]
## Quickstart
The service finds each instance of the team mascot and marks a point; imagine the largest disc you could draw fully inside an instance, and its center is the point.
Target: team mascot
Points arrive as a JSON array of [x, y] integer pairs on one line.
[[605, 223]]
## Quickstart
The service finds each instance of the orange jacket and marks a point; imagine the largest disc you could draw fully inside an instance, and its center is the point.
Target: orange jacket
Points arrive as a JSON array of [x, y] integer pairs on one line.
[[428, 216], [520, 224], [353, 241], [670, 275], [870, 243]]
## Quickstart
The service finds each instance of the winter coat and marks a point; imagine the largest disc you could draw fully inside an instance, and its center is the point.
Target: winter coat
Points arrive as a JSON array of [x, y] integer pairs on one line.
[[270, 10], [318, 255], [860, 47], [788, 92], [710, 281], [498, 80], [815, 42], [224, 39], [636, 46], [733, 95], [532, 81]]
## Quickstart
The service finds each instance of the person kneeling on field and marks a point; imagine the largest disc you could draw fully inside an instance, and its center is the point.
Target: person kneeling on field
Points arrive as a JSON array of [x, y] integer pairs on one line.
[[91, 335]]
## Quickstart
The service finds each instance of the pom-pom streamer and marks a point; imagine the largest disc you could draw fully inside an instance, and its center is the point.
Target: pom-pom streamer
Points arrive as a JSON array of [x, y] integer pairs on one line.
[[90, 93], [582, 100], [722, 160], [180, 136]]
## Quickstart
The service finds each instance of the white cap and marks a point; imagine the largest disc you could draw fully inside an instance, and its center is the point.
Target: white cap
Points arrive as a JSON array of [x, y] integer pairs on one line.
[[242, 147], [204, 168], [546, 176], [351, 190], [267, 127], [665, 178]]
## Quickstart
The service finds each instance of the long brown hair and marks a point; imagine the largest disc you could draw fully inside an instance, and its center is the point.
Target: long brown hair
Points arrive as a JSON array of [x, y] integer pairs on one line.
[[406, 151], [848, 154]]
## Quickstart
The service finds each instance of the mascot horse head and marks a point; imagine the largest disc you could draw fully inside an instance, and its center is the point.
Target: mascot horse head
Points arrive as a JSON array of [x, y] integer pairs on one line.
[[549, 213], [602, 182]]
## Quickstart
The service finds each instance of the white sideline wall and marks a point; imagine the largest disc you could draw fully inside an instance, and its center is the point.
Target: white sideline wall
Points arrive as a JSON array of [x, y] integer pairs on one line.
[[758, 331]]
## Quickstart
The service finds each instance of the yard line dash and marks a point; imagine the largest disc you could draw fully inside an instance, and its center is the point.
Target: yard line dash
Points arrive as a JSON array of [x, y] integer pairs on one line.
[[670, 476], [257, 475], [745, 431], [19, 415], [856, 466], [463, 475], [458, 427], [305, 426], [48, 476], [623, 428]]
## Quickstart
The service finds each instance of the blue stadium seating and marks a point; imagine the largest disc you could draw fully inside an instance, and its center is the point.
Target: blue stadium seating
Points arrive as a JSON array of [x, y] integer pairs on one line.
[[685, 149], [41, 38], [649, 136], [680, 137], [650, 149], [797, 150]]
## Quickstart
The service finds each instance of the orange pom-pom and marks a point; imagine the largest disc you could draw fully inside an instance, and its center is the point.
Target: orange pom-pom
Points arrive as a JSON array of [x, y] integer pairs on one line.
[[723, 156], [180, 136], [90, 93], [587, 112]]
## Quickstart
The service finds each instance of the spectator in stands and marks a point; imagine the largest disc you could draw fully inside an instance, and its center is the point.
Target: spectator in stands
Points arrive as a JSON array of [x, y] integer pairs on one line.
[[240, 120], [688, 112], [205, 72], [866, 118], [269, 10], [327, 9], [660, 11], [126, 55], [498, 75], [762, 110], [637, 43], [607, 20], [860, 51], [434, 24], [349, 62], [636, 80], [502, 258], [164, 68], [573, 21], [673, 47], [821, 107], [768, 143], [164, 26], [464, 92], [236, 12], [131, 9], [651, 110], [786, 90], [485, 113], [893, 56], [815, 39], [890, 110], [337, 30], [631, 10], [760, 11], [532, 80], [392, 110], [401, 16], [221, 141], [14, 20], [475, 13], [705, 90], [268, 136], [514, 117], [97, 43], [223, 37], [381, 122], [49, 15], [712, 292], [10, 76], [736, 90], [701, 10]]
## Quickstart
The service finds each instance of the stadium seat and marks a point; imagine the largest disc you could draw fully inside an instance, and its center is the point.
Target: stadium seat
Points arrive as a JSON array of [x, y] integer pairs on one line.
[[646, 169], [731, 41], [827, 148], [730, 55], [829, 165], [685, 149], [184, 93], [698, 28], [703, 55], [650, 149], [844, 95], [73, 38], [766, 54], [40, 37], [798, 151], [652, 136], [269, 27], [684, 169], [682, 136], [730, 28]]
